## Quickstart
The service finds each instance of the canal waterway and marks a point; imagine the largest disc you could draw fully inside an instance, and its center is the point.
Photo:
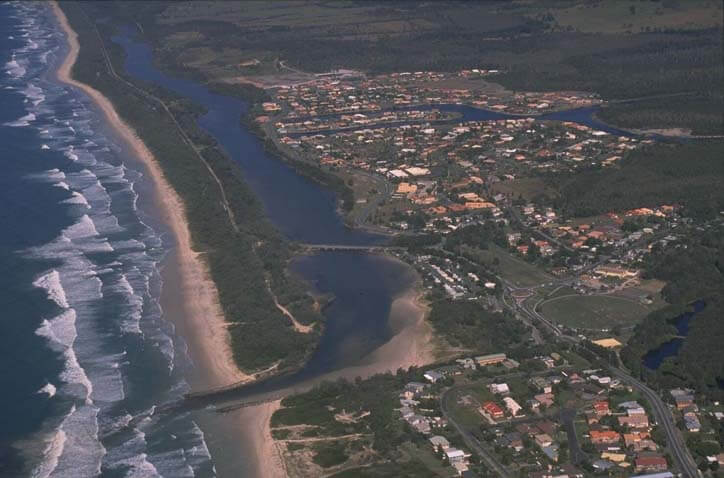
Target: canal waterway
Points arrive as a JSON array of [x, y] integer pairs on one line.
[[363, 286], [463, 113]]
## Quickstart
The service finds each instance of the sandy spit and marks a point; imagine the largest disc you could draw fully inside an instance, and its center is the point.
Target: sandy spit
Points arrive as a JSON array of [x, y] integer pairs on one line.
[[190, 297], [195, 303]]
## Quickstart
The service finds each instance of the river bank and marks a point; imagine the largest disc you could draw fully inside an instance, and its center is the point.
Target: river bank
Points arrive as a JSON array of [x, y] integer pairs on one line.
[[189, 296], [412, 345], [367, 323]]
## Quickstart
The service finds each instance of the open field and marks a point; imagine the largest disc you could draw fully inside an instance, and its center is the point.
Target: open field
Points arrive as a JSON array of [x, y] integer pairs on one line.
[[526, 187], [463, 405], [636, 16], [424, 455], [619, 49], [594, 312], [513, 269]]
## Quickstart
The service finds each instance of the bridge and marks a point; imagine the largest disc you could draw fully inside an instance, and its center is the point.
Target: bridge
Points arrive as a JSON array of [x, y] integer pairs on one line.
[[346, 247]]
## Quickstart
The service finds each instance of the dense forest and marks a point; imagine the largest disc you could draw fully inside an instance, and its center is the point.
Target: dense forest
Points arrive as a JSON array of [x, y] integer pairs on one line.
[[689, 174], [529, 41], [239, 261], [694, 270], [703, 115]]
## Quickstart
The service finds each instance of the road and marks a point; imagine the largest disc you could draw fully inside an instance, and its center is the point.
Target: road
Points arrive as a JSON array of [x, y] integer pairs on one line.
[[567, 416], [675, 443], [184, 137], [471, 441], [663, 416]]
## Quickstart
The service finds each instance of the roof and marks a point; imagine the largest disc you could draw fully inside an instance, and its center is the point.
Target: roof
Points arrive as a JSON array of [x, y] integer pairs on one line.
[[492, 407], [608, 343], [650, 460], [665, 474], [454, 453], [438, 440]]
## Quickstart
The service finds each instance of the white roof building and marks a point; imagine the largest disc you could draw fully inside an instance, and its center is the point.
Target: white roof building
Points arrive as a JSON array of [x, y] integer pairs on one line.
[[512, 406], [499, 388], [454, 455]]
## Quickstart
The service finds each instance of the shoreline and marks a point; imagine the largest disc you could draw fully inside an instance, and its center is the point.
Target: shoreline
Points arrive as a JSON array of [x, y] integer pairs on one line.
[[412, 344], [192, 303], [190, 300]]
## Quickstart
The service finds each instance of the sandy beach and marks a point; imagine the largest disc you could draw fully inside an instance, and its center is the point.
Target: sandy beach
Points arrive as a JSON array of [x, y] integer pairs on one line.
[[190, 297]]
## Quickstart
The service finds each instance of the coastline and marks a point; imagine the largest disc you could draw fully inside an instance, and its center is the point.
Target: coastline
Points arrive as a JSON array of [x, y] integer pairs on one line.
[[189, 297]]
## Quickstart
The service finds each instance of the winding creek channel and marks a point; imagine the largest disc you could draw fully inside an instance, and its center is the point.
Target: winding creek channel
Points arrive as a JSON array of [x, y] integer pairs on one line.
[[364, 286]]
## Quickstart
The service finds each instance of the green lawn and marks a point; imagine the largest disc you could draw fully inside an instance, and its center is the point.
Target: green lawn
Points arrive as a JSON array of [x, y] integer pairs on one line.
[[513, 269], [594, 312], [425, 456]]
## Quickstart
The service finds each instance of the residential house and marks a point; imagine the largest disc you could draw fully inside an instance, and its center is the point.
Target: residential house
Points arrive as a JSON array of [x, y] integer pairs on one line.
[[499, 388], [653, 463], [492, 410], [604, 436], [439, 442], [490, 359], [454, 455], [637, 422], [513, 407]]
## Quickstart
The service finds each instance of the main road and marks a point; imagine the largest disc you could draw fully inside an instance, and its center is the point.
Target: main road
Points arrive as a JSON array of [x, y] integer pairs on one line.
[[684, 461], [674, 441]]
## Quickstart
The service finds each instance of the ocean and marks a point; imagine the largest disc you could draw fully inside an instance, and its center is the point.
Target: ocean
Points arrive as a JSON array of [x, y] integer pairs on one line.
[[87, 355]]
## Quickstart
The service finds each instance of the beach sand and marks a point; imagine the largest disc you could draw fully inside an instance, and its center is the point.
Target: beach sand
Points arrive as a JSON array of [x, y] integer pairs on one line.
[[411, 344], [190, 297]]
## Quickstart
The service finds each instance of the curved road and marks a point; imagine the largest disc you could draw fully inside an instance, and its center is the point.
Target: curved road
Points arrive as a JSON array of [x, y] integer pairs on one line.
[[674, 440]]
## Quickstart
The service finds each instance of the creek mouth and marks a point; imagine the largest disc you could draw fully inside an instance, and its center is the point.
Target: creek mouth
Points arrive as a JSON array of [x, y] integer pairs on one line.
[[363, 286]]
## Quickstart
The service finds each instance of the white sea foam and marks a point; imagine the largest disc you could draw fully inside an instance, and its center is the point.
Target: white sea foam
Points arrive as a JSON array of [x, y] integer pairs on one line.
[[61, 333], [54, 174], [132, 321], [52, 452], [22, 121], [76, 198], [49, 389], [82, 452], [15, 69], [45, 146], [107, 378], [34, 94], [62, 185], [51, 283], [70, 154], [84, 228]]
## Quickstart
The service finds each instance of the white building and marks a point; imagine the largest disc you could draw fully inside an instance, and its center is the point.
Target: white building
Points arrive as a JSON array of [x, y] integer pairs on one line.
[[513, 407]]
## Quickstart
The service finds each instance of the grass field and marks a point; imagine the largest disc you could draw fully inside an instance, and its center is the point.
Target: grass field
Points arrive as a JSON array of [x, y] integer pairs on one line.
[[526, 187], [513, 269], [624, 16], [425, 456], [594, 312]]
